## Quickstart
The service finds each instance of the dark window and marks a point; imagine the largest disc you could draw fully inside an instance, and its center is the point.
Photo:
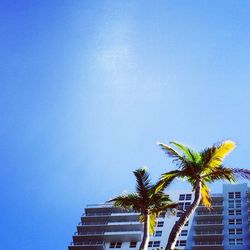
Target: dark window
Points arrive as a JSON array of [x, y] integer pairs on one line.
[[182, 243], [238, 221], [160, 223], [158, 233], [184, 232], [133, 244], [156, 244], [178, 214], [237, 194], [238, 212], [182, 197]]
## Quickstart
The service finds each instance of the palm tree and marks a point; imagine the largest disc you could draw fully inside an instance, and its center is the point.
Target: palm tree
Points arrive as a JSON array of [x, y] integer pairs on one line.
[[149, 200], [199, 168]]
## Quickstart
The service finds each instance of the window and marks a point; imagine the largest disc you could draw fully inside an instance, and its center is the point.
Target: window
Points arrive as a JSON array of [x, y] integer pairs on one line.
[[181, 243], [234, 203], [231, 221], [186, 224], [231, 204], [181, 205], [237, 203], [187, 204], [184, 205], [238, 221], [234, 195], [115, 245], [162, 214], [184, 233], [182, 197], [160, 223], [156, 243], [238, 195], [235, 231], [178, 214], [234, 221], [133, 244], [158, 233], [239, 241], [238, 212], [231, 241], [230, 212]]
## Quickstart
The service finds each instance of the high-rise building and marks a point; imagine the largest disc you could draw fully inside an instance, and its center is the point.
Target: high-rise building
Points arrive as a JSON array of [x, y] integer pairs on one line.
[[225, 226]]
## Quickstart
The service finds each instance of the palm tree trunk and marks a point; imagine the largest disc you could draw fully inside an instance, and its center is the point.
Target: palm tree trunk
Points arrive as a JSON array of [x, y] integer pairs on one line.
[[174, 234], [145, 239]]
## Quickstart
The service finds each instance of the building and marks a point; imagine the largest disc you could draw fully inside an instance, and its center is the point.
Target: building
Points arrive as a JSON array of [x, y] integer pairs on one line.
[[225, 226]]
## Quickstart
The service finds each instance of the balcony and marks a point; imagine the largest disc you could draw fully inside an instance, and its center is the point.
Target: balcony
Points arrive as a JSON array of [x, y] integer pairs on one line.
[[200, 215], [209, 234], [108, 235], [207, 223], [131, 235], [107, 226], [202, 245], [97, 245]]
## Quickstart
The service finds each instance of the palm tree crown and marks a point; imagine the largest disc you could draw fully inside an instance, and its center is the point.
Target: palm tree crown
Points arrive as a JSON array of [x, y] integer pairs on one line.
[[199, 169], [149, 200]]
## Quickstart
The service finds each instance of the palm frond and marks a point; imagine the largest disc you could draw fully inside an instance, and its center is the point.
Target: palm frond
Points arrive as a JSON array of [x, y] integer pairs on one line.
[[171, 152], [142, 182], [190, 154], [132, 200], [167, 178], [206, 198], [214, 156], [241, 173], [220, 173]]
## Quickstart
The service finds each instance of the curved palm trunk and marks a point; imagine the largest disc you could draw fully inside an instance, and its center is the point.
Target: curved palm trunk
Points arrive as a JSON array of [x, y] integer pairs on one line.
[[173, 236], [145, 239]]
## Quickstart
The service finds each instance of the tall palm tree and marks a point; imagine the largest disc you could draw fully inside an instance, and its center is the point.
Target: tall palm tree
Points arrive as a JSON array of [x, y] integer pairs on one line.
[[149, 200], [199, 168]]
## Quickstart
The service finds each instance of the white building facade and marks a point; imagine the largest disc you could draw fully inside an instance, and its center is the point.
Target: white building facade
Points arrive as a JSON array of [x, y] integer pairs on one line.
[[225, 226]]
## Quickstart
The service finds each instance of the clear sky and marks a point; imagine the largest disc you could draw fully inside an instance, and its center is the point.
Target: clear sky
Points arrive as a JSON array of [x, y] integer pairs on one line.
[[89, 87]]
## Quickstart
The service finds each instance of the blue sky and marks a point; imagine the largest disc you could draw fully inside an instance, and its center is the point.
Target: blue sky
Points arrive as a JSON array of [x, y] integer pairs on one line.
[[89, 87]]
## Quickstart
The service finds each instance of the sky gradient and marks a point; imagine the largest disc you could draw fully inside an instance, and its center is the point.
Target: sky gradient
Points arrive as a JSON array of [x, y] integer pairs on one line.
[[89, 87]]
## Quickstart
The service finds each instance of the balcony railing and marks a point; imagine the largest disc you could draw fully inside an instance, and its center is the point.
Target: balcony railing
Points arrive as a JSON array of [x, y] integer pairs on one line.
[[201, 233], [90, 243], [94, 214], [103, 232], [218, 222], [214, 204], [93, 223], [209, 213], [89, 233], [208, 243]]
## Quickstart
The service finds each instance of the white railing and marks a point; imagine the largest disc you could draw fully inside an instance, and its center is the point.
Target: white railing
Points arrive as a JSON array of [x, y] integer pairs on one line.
[[209, 233], [208, 243], [90, 243], [208, 222]]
